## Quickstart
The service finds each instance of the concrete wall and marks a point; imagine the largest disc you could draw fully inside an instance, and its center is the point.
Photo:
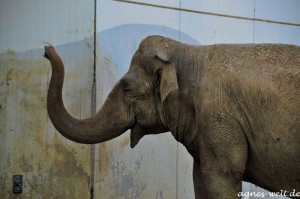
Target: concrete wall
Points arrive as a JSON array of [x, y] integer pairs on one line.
[[159, 167], [52, 166]]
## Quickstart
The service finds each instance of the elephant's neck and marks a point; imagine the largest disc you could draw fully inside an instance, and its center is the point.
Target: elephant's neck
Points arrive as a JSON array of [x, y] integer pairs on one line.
[[189, 138], [181, 121]]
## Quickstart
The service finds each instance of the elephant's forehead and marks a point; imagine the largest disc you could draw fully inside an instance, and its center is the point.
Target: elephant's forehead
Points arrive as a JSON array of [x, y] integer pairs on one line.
[[136, 70], [138, 77]]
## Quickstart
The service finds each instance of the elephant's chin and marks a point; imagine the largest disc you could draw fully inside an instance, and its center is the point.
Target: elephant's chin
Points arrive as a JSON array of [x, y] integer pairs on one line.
[[136, 134]]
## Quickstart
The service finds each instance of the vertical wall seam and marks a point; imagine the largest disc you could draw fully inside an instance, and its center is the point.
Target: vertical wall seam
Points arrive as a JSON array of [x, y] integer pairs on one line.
[[94, 96], [254, 14], [177, 145]]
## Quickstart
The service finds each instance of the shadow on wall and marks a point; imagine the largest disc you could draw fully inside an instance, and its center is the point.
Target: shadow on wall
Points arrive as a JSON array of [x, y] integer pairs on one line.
[[119, 43]]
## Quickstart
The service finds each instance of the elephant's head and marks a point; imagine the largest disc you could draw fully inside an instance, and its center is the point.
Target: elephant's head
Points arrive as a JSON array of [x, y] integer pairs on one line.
[[134, 103]]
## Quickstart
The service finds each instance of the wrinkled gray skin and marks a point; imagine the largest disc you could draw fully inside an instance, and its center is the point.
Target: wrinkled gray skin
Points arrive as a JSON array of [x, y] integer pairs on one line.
[[234, 107]]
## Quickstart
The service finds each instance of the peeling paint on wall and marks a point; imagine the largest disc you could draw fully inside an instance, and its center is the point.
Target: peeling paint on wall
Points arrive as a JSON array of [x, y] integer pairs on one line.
[[52, 166]]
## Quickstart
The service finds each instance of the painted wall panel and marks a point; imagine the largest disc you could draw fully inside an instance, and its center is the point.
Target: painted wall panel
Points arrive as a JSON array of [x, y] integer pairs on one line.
[[112, 14], [278, 10], [52, 166], [240, 8], [244, 8], [29, 24], [165, 3], [281, 11], [127, 31], [208, 29], [148, 170], [276, 33]]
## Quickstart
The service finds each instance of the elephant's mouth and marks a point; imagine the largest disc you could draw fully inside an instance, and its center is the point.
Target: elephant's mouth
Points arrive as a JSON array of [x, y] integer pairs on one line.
[[137, 132]]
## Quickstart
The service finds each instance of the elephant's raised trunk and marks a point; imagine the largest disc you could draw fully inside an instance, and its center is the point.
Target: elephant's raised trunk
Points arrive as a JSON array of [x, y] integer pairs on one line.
[[112, 120]]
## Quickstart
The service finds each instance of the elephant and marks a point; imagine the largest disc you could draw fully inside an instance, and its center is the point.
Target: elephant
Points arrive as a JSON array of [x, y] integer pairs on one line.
[[235, 107]]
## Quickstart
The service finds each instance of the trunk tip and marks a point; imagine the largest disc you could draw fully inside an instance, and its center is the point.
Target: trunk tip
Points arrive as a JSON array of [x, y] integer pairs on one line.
[[48, 50]]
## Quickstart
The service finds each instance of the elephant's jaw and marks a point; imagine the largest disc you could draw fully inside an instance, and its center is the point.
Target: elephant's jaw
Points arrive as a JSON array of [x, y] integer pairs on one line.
[[138, 132], [135, 135]]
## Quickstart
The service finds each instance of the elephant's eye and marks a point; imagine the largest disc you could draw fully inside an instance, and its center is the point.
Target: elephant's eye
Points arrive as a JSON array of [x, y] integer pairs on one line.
[[126, 89], [125, 86], [157, 80]]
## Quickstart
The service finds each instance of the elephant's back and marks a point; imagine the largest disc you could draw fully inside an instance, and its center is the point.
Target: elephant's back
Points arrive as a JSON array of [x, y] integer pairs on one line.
[[269, 68], [254, 57]]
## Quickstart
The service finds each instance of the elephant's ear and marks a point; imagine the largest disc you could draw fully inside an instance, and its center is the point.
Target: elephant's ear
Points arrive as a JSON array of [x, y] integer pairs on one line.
[[168, 78]]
